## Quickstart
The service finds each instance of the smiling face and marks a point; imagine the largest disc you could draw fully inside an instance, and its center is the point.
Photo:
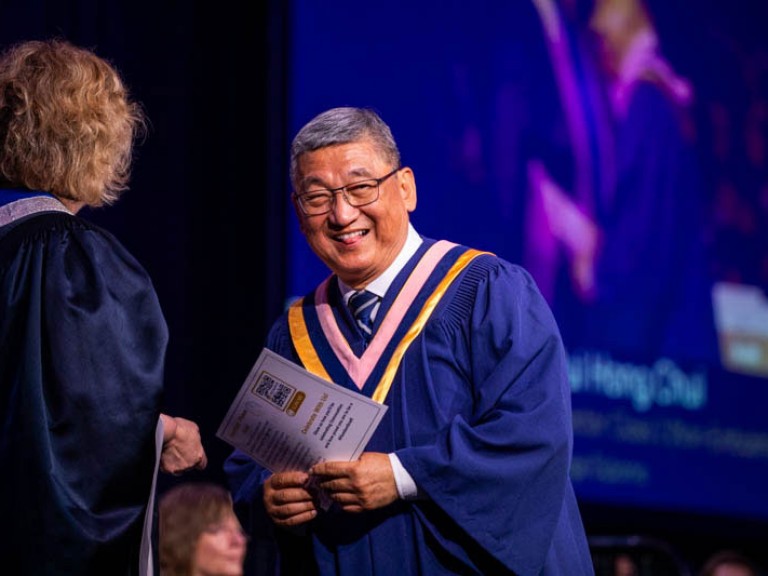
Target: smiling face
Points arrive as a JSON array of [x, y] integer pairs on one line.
[[357, 244]]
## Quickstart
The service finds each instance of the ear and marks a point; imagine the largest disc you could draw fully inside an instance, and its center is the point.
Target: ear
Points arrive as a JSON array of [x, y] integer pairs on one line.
[[407, 186]]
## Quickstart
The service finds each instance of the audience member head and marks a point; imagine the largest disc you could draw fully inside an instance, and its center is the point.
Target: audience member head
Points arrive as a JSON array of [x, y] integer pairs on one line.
[[200, 534], [67, 125], [729, 563], [624, 565]]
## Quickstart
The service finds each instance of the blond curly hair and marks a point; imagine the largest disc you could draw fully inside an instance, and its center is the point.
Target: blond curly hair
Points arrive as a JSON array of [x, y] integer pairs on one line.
[[67, 123]]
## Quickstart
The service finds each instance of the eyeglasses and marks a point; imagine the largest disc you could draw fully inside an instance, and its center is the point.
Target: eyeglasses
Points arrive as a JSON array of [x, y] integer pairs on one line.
[[357, 194]]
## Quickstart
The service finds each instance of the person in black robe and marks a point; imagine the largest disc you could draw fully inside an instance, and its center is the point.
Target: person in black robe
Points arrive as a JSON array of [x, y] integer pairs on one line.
[[82, 335]]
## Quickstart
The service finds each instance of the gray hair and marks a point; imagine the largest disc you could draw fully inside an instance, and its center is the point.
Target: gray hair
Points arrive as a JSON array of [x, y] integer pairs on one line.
[[342, 126]]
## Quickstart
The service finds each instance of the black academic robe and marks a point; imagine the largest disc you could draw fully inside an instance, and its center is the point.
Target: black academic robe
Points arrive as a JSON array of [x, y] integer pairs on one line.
[[82, 343]]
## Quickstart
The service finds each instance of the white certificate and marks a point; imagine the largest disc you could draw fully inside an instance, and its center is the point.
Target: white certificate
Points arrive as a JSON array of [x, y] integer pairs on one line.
[[286, 418]]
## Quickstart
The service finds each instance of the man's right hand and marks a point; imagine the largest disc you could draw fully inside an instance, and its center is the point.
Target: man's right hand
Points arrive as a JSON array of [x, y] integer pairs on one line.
[[288, 500]]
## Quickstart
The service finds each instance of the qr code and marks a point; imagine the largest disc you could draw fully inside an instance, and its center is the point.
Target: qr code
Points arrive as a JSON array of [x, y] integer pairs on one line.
[[273, 390]]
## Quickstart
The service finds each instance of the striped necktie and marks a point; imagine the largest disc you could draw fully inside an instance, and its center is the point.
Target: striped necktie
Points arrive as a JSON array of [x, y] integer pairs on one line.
[[363, 304]]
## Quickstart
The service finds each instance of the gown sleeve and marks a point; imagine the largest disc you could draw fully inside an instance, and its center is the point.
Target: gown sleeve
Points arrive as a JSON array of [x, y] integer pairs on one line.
[[499, 469]]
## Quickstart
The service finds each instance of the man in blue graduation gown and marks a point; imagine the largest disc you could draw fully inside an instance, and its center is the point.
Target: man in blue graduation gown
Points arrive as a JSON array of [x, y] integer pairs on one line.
[[468, 472]]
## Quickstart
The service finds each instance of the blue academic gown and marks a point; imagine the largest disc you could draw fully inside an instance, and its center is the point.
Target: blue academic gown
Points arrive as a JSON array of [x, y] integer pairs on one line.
[[479, 414], [82, 343]]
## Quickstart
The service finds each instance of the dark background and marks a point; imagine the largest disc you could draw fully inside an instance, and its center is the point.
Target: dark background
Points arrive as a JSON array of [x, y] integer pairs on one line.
[[207, 212]]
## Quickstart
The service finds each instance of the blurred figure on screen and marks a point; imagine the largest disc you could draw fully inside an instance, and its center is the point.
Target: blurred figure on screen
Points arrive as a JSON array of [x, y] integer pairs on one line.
[[637, 262], [596, 125]]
